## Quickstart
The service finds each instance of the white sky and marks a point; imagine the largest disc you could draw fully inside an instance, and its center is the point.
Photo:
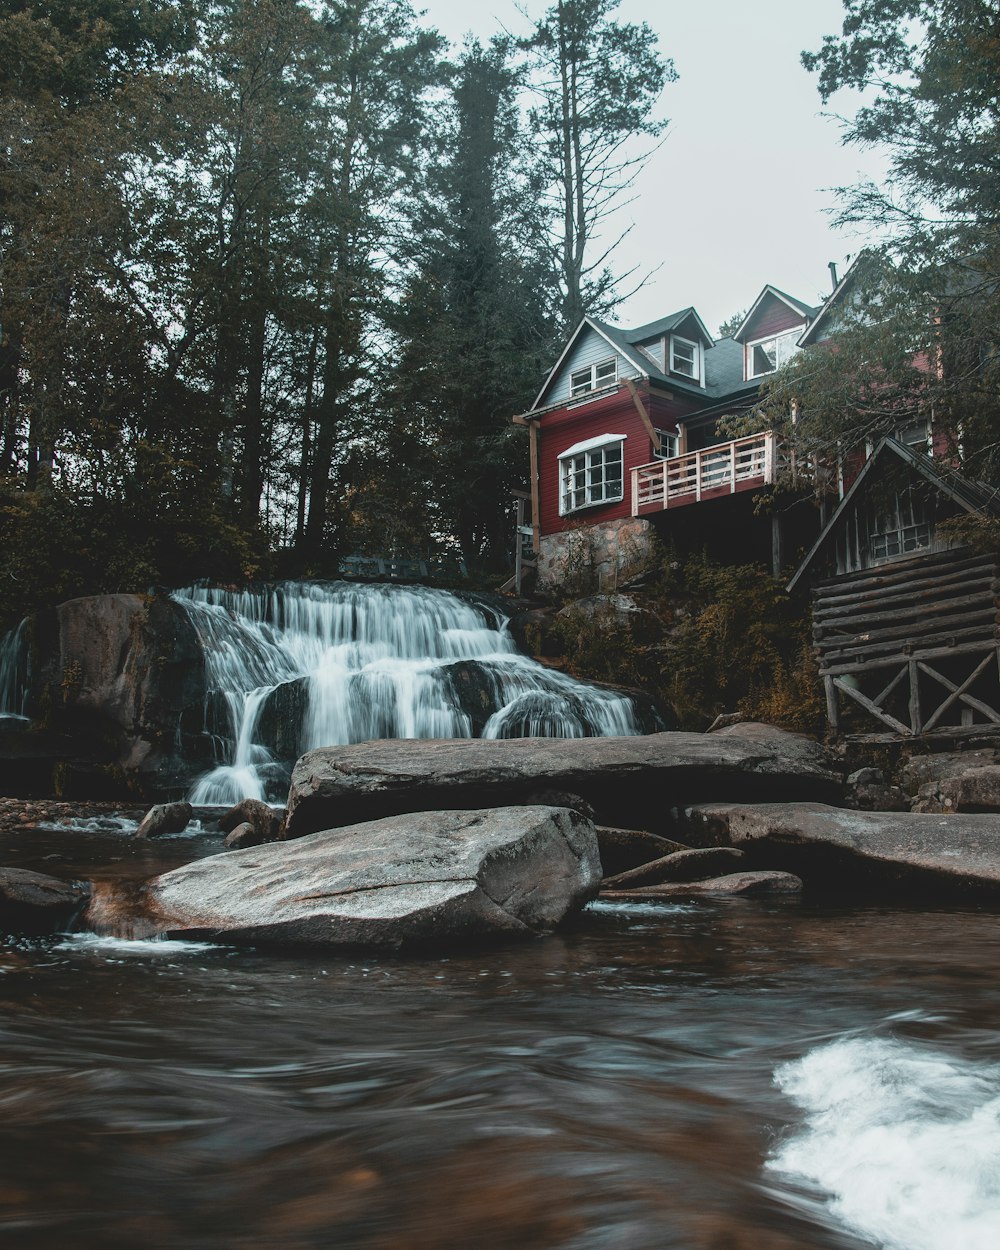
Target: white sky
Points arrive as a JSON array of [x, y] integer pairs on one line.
[[736, 195]]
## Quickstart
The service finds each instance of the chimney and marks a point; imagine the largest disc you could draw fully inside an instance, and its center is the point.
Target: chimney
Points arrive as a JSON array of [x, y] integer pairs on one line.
[[833, 274]]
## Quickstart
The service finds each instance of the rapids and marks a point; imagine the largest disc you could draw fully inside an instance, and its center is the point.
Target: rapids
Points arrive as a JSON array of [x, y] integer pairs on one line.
[[370, 661], [730, 1075]]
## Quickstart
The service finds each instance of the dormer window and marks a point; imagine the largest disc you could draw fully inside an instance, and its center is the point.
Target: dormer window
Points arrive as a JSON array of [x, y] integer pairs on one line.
[[593, 377], [768, 355], [685, 358]]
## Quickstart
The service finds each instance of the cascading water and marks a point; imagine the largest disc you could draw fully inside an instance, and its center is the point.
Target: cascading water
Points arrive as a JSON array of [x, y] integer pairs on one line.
[[365, 662], [14, 673]]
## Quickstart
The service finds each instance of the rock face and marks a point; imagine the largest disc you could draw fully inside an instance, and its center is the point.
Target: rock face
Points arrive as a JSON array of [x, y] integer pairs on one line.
[[32, 903], [119, 680], [931, 855], [627, 781], [428, 878], [264, 820], [975, 790]]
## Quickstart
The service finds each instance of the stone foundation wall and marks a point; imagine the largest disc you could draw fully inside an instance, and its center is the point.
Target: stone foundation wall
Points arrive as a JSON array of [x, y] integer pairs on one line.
[[595, 557]]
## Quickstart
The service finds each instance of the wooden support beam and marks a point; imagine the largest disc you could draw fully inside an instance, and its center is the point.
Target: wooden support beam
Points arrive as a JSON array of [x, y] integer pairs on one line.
[[881, 698], [925, 564], [908, 632], [832, 710], [640, 408], [914, 672], [869, 706], [959, 692], [919, 612], [862, 665], [982, 583], [536, 507], [939, 642], [843, 596]]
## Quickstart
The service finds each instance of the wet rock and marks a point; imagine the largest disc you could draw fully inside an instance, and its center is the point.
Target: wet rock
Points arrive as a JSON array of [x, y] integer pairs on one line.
[[975, 790], [165, 818], [433, 877], [32, 903], [923, 770], [686, 865], [242, 836], [742, 883], [868, 791], [628, 781], [622, 849], [701, 824], [899, 855], [264, 820]]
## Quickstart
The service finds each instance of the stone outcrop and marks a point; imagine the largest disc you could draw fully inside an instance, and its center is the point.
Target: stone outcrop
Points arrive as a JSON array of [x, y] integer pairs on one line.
[[895, 854], [433, 877], [33, 903], [119, 682], [974, 790], [627, 781], [596, 557]]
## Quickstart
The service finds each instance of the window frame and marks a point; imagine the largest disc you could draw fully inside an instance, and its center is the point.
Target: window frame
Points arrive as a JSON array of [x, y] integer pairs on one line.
[[795, 333], [674, 439], [695, 376], [576, 389], [585, 458]]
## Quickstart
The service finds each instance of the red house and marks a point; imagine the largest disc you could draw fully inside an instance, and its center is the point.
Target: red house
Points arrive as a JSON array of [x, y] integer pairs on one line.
[[624, 441]]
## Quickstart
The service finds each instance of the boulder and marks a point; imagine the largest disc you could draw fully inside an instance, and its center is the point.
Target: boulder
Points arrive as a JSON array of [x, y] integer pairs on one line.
[[702, 824], [896, 854], [264, 820], [622, 849], [165, 818], [745, 883], [627, 781], [32, 903], [687, 865], [432, 877], [242, 836]]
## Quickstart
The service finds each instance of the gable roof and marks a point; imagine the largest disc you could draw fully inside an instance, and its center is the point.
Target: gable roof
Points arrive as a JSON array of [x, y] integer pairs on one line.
[[969, 496], [665, 324], [796, 305], [835, 298], [611, 336]]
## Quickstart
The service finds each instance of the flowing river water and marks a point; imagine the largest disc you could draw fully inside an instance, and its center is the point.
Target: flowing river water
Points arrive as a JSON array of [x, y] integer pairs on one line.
[[714, 1076]]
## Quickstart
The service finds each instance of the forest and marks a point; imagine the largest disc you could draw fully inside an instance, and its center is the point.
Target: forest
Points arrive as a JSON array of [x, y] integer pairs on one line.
[[275, 275]]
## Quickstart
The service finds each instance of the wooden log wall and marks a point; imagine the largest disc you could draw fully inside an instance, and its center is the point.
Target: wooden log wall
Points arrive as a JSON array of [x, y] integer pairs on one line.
[[882, 636]]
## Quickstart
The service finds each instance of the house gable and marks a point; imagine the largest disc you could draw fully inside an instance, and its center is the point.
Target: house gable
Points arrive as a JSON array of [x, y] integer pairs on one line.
[[892, 510], [590, 347]]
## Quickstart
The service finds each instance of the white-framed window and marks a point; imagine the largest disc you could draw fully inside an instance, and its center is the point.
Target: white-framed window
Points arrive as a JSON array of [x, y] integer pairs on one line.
[[916, 434], [593, 377], [685, 358], [669, 445], [767, 355], [591, 473], [900, 529]]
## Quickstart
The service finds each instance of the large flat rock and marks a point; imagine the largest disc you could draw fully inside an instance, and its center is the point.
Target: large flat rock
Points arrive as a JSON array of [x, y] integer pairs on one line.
[[907, 852], [627, 781], [431, 877]]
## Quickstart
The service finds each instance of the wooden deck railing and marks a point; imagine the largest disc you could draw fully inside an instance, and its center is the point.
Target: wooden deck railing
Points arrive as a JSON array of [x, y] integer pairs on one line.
[[685, 479]]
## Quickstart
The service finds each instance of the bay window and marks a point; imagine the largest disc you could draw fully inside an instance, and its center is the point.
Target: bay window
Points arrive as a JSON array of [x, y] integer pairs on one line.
[[591, 473]]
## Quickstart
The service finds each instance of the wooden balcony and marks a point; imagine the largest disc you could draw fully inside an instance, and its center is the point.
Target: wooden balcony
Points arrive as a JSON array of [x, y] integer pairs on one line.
[[744, 464]]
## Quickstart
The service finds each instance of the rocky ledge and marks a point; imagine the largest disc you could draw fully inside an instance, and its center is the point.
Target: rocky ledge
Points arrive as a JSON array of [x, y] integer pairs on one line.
[[624, 781]]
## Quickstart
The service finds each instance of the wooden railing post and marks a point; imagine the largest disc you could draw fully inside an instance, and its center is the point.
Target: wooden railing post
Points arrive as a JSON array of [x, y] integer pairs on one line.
[[635, 492], [697, 476]]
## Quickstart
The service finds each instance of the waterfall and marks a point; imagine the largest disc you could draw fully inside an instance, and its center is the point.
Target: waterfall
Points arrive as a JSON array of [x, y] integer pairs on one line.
[[14, 673], [357, 662]]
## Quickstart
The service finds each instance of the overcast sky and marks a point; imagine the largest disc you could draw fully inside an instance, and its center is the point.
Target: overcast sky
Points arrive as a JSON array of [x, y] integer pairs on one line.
[[736, 195]]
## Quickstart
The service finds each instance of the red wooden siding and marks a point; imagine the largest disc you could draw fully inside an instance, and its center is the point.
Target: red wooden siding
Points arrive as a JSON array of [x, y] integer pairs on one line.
[[772, 317]]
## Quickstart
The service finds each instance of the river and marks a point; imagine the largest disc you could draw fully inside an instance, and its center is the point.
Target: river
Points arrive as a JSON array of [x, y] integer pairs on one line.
[[721, 1076]]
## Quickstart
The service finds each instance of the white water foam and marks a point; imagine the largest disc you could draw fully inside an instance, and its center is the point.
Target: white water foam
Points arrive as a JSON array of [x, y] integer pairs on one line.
[[93, 943], [905, 1140]]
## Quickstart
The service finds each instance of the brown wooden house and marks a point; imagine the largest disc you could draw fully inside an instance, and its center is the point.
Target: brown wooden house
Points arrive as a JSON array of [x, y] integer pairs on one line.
[[904, 619]]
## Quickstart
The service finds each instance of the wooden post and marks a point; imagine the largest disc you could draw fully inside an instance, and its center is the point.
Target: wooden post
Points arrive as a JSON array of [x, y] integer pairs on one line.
[[832, 711], [536, 520], [915, 723], [776, 554]]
